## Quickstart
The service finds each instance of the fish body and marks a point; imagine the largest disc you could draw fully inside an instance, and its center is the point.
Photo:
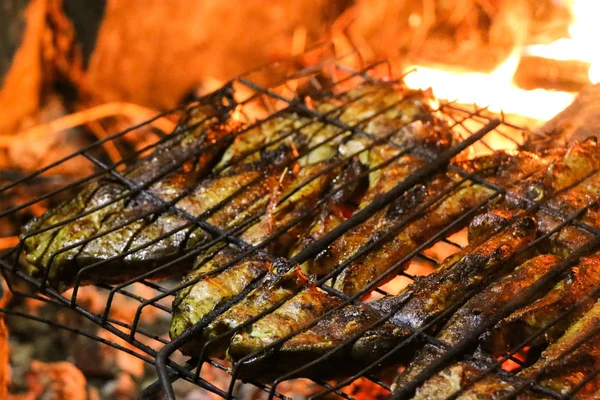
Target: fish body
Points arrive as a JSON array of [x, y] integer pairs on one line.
[[423, 301], [319, 157], [275, 287], [477, 310], [300, 190], [579, 281], [307, 346], [40, 249], [499, 168], [560, 368]]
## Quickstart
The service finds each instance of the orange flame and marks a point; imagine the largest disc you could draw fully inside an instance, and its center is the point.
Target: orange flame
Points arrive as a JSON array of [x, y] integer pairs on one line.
[[495, 90], [584, 31]]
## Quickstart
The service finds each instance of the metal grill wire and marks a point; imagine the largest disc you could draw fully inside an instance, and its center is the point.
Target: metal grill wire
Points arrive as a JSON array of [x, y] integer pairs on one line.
[[276, 100]]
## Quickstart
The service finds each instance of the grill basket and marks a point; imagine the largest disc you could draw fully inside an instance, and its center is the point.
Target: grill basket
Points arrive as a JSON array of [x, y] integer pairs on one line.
[[480, 131]]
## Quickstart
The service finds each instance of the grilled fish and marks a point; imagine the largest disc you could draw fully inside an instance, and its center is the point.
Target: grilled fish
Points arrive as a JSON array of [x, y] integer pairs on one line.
[[400, 116], [211, 286], [419, 306], [459, 376], [505, 166], [305, 347], [479, 308], [279, 283], [576, 354], [560, 368], [526, 321], [498, 168], [39, 249], [430, 296], [379, 97], [124, 237]]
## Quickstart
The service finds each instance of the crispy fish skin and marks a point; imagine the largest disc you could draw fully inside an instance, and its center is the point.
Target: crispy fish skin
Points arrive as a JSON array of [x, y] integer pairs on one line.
[[381, 96], [346, 188], [185, 313], [257, 181], [213, 291], [574, 182], [275, 287], [142, 231], [526, 321], [409, 122], [262, 167], [327, 333], [500, 168], [424, 300], [479, 308], [428, 297], [431, 295], [580, 346], [300, 310], [560, 367], [318, 341], [458, 376], [39, 248]]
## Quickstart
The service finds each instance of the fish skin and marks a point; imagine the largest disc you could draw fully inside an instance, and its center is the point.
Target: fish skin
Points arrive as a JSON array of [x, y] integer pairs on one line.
[[185, 314], [317, 341], [431, 295], [300, 310], [384, 95], [276, 286], [477, 310], [526, 321], [551, 370], [332, 213], [459, 375], [36, 252], [462, 274], [505, 166], [561, 374], [263, 168], [499, 168], [409, 122]]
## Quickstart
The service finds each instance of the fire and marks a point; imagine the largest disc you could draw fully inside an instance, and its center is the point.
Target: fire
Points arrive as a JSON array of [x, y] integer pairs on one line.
[[495, 90], [584, 31]]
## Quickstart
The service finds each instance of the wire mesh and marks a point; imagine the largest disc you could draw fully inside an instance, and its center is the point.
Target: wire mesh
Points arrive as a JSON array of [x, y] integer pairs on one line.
[[480, 132]]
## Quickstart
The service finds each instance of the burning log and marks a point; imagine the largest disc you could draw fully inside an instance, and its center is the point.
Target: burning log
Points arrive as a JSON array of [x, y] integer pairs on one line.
[[540, 72], [577, 122]]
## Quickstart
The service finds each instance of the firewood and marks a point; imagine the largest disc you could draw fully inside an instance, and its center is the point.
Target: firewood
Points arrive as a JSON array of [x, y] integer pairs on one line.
[[565, 75], [22, 25], [577, 122]]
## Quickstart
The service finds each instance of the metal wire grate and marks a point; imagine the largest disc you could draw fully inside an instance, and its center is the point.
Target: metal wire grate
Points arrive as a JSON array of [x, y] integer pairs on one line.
[[479, 130]]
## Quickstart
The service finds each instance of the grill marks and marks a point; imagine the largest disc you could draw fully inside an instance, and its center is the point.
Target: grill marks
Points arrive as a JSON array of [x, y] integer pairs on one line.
[[482, 306]]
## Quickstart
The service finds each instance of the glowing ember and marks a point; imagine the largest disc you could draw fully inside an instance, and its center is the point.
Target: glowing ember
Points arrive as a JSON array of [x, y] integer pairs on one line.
[[495, 90], [584, 31]]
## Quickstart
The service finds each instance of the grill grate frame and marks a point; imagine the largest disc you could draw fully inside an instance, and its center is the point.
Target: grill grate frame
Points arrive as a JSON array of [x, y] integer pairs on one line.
[[274, 101]]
